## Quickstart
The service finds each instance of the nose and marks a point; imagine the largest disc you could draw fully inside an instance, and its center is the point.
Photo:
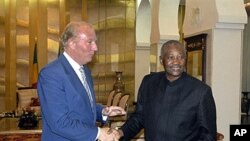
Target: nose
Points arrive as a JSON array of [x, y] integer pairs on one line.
[[94, 46], [177, 60]]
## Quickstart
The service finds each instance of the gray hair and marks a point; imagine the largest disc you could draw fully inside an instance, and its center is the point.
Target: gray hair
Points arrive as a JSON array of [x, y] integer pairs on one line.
[[71, 30], [174, 43]]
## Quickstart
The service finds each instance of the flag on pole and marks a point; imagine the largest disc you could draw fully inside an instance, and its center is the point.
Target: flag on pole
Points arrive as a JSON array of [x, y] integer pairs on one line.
[[35, 67], [59, 51]]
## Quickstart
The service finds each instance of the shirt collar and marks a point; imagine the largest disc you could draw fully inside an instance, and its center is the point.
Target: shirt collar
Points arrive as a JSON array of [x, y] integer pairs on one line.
[[183, 75], [72, 62]]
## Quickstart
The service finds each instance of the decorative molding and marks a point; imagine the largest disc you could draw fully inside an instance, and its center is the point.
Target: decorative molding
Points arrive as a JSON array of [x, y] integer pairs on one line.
[[195, 16], [197, 43], [230, 25], [164, 38], [142, 46]]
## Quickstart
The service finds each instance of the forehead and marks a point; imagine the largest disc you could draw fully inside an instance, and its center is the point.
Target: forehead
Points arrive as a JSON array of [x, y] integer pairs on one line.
[[87, 34], [170, 49]]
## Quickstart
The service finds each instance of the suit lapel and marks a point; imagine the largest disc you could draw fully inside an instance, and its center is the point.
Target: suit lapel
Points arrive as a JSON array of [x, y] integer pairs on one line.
[[76, 83]]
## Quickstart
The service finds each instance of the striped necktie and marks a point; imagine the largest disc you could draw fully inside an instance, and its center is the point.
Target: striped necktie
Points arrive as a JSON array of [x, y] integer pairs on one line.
[[86, 86]]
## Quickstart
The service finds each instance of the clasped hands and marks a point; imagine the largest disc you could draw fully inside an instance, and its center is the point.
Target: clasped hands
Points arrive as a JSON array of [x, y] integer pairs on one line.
[[109, 134]]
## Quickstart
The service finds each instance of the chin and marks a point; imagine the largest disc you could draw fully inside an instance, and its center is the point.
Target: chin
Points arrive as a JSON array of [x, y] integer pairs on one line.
[[176, 74]]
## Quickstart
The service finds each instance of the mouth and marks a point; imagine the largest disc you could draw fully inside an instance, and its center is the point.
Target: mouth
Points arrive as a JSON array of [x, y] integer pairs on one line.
[[176, 68]]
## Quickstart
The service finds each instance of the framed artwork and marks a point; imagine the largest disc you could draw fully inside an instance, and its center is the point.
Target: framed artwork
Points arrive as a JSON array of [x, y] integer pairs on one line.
[[196, 56]]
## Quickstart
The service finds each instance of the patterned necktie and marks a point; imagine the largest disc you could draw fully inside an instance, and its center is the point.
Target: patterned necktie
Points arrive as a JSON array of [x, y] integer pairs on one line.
[[86, 86]]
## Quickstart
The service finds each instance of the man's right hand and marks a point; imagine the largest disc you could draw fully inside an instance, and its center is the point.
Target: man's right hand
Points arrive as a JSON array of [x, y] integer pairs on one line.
[[107, 134], [117, 133]]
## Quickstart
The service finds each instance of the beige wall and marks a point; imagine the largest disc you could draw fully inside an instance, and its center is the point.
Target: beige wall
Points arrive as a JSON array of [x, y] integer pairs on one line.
[[224, 27]]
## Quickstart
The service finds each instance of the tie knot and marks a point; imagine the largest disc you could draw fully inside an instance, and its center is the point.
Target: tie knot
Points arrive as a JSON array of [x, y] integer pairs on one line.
[[82, 72], [81, 69]]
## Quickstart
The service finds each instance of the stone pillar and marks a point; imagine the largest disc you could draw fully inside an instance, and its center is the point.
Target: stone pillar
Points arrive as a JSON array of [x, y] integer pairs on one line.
[[142, 50], [142, 64]]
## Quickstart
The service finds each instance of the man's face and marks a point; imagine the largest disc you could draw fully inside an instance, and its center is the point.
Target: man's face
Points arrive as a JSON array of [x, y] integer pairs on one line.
[[173, 60], [84, 46]]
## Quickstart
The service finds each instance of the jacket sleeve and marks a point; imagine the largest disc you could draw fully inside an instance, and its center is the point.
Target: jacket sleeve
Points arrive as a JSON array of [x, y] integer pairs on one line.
[[135, 122], [207, 116]]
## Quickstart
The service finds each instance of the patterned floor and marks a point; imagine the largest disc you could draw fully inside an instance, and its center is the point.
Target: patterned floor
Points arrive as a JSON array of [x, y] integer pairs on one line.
[[20, 137]]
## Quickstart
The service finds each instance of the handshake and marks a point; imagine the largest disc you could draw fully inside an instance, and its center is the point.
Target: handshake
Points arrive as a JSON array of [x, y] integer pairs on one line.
[[109, 134]]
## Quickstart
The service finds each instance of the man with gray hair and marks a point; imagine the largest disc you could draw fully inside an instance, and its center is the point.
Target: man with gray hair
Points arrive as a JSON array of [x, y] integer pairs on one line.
[[66, 93]]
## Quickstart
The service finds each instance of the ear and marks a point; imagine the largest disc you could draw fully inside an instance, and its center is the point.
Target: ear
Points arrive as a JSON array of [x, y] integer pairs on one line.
[[161, 61], [71, 43]]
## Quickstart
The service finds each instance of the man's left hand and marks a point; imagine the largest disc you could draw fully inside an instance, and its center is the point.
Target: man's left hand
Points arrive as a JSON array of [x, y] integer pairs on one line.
[[113, 111]]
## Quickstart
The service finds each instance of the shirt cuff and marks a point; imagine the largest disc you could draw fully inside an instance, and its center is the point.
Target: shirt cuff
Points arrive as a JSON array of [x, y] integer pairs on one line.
[[104, 118], [98, 133]]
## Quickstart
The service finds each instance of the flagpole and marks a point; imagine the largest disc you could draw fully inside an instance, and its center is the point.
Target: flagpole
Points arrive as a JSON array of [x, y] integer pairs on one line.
[[35, 66]]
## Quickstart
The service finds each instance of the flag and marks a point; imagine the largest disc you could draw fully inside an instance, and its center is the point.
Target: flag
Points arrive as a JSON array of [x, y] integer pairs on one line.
[[59, 51], [35, 68]]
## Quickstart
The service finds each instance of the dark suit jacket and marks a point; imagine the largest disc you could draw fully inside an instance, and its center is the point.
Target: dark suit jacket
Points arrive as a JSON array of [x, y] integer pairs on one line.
[[183, 110], [66, 110]]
